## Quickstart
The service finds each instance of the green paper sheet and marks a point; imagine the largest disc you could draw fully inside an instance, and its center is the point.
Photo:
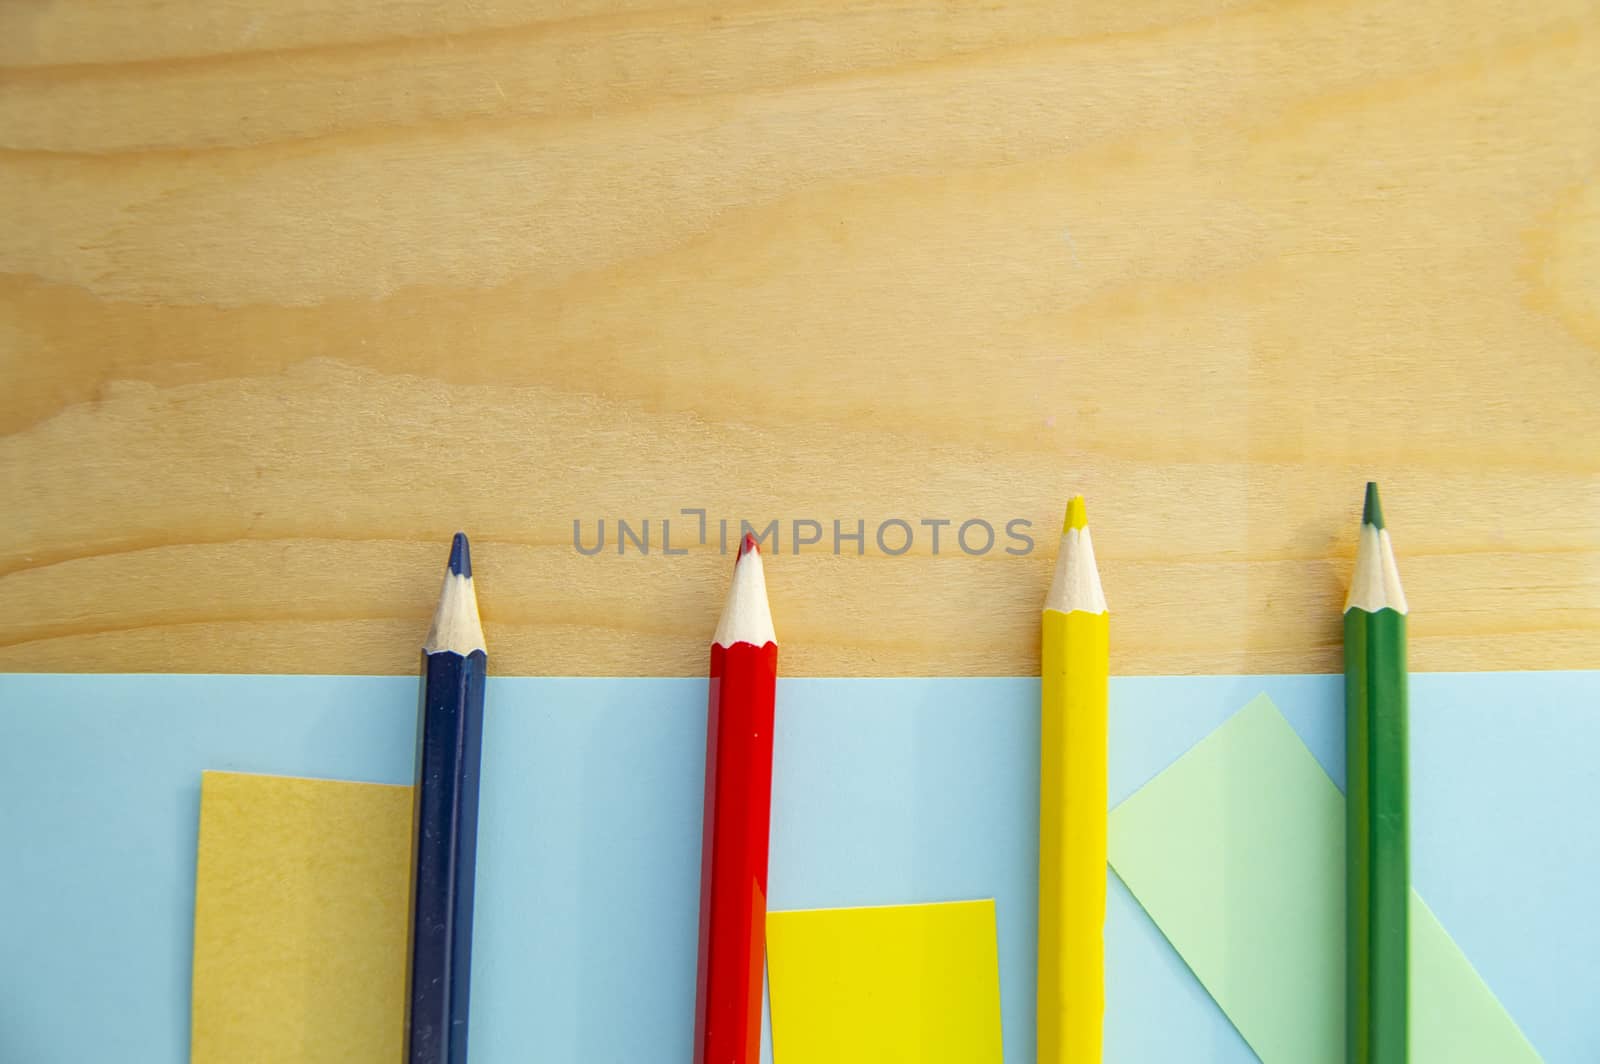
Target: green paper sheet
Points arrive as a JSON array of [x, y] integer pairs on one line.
[[1455, 1017], [1236, 851]]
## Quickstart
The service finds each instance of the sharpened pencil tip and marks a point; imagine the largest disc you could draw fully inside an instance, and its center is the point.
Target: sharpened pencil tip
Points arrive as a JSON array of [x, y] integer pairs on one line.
[[1077, 516], [461, 556], [748, 545], [1372, 512]]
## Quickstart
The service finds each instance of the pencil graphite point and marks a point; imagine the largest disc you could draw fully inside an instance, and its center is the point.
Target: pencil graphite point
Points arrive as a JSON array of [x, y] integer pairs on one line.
[[1372, 512], [748, 545], [1077, 516], [461, 556]]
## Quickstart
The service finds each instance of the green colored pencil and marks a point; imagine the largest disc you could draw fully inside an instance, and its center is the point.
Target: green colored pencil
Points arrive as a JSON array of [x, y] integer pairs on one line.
[[1377, 861]]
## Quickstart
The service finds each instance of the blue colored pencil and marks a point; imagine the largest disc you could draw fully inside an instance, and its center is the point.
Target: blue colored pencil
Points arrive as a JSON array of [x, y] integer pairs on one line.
[[445, 821]]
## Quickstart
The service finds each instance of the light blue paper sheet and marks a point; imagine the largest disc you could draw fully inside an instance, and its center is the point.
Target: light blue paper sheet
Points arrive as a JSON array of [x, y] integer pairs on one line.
[[885, 791]]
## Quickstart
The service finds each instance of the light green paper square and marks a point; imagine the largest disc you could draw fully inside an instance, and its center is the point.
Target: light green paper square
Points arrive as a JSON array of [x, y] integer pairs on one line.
[[1237, 853]]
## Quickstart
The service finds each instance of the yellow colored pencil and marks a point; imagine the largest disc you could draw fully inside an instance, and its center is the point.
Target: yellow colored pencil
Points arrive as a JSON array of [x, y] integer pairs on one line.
[[1074, 672]]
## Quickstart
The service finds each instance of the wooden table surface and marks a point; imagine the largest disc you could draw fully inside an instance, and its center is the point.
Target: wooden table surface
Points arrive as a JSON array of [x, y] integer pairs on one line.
[[287, 298]]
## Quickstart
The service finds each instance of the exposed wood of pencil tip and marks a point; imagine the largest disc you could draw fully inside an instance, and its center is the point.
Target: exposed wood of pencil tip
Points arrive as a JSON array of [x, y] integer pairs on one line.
[[457, 627]]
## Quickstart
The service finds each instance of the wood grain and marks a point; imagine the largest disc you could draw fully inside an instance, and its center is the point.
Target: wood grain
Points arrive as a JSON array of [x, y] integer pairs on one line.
[[303, 292]]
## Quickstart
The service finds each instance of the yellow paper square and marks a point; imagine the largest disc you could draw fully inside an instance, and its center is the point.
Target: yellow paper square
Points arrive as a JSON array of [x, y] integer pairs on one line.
[[301, 896], [899, 984]]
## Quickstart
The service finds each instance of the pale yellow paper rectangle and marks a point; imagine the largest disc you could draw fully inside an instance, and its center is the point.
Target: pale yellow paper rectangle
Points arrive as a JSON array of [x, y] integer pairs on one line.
[[902, 984], [300, 908]]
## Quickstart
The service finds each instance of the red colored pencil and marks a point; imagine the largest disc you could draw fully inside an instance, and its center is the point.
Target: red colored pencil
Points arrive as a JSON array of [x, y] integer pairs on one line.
[[733, 850]]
